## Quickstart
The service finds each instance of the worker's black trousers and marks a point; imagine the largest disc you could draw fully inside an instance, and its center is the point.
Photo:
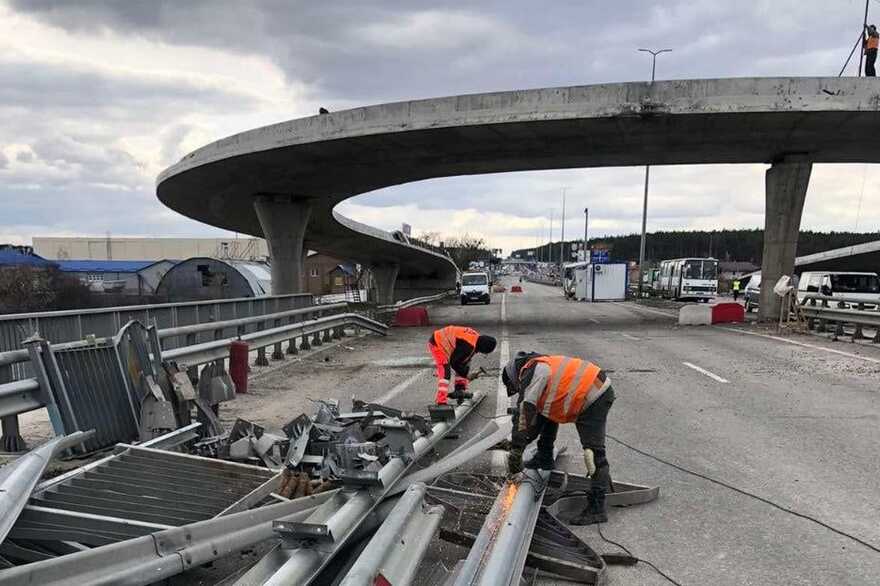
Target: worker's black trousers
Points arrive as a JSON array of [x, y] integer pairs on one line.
[[870, 59]]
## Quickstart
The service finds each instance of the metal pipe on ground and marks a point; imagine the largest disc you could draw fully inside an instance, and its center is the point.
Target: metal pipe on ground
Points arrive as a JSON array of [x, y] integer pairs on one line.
[[498, 555], [341, 517], [152, 558], [18, 479], [397, 548]]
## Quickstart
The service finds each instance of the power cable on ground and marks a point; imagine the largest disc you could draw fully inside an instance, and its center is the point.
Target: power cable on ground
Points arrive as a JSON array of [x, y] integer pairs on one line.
[[748, 494], [636, 558]]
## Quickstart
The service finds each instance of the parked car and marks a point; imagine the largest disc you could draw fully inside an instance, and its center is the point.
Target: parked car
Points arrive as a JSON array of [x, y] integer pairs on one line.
[[860, 286], [752, 291], [475, 287]]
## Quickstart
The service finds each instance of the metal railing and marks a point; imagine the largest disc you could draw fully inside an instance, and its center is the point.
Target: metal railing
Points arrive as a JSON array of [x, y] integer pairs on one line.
[[823, 312], [413, 302], [76, 324]]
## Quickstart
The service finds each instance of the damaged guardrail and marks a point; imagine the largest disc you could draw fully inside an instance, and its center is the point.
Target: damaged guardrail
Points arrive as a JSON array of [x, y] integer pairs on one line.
[[413, 302], [314, 543]]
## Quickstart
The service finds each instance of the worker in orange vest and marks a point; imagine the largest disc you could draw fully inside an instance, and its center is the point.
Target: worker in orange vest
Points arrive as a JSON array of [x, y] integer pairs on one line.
[[870, 44], [452, 348], [560, 389]]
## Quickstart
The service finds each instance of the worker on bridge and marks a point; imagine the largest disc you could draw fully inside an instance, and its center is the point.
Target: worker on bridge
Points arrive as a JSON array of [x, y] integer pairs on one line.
[[735, 287], [560, 389], [870, 44], [452, 348]]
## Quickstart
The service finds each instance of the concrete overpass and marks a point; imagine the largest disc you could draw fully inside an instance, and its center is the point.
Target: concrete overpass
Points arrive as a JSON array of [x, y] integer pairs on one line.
[[282, 181]]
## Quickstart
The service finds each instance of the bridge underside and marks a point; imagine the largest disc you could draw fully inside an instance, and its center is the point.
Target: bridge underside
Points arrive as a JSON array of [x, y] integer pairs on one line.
[[789, 123]]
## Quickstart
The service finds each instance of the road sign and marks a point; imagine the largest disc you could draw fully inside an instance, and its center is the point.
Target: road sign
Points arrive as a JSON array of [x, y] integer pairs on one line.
[[600, 257]]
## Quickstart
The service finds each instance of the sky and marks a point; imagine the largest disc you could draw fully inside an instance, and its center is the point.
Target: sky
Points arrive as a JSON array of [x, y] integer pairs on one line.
[[96, 98]]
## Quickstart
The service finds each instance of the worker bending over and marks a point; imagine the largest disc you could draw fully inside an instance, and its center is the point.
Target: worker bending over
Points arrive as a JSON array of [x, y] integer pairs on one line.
[[559, 389], [452, 348]]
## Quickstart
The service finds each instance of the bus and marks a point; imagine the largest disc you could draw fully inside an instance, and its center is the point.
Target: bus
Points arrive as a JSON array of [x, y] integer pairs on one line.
[[689, 278]]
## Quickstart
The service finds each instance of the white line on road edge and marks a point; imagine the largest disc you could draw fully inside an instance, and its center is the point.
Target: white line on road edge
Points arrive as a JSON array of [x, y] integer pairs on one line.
[[399, 388], [630, 337], [711, 375], [593, 319], [803, 344], [498, 460]]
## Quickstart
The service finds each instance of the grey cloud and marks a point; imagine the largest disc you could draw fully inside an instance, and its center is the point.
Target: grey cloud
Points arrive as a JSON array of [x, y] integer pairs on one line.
[[4, 161], [24, 156]]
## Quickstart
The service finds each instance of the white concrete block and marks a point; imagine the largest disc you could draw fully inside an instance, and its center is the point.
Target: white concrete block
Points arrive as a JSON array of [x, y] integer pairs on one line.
[[695, 314]]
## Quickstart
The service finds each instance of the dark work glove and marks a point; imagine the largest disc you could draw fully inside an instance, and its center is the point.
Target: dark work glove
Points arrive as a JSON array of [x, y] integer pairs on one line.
[[519, 440], [515, 461]]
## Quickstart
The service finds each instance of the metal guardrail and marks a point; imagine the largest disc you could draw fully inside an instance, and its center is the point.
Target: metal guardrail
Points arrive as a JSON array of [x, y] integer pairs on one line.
[[822, 311], [413, 302], [70, 325], [21, 396]]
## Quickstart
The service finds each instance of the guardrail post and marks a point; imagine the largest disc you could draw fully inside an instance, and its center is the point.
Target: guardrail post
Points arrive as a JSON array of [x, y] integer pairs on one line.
[[858, 334], [338, 333], [326, 336], [823, 326], [193, 371], [278, 352], [838, 329], [316, 339], [877, 336], [11, 440], [305, 343]]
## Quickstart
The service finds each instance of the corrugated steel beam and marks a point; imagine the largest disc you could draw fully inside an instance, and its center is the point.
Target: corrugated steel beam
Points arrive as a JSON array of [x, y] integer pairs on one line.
[[18, 479]]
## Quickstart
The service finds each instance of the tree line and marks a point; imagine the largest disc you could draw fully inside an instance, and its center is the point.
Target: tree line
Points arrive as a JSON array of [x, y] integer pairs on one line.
[[728, 245]]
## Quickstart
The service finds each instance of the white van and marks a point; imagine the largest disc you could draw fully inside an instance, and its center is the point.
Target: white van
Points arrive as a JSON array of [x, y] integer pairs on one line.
[[863, 287], [475, 287]]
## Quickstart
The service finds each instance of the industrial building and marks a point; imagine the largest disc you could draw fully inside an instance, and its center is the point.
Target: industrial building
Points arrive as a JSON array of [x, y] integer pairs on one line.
[[144, 249], [202, 278]]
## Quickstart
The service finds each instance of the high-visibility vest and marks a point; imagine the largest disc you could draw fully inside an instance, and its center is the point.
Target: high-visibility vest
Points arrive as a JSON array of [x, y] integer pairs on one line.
[[445, 338], [572, 380], [736, 285], [872, 43]]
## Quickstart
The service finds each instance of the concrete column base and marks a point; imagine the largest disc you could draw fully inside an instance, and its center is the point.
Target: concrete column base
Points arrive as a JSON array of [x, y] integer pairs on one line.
[[786, 190], [385, 276], [284, 220]]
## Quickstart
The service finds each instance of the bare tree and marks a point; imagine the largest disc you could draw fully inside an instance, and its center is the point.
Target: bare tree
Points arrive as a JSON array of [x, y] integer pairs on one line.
[[465, 249]]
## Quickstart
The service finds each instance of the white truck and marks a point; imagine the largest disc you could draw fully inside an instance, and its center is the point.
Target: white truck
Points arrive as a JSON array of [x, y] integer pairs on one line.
[[475, 288]]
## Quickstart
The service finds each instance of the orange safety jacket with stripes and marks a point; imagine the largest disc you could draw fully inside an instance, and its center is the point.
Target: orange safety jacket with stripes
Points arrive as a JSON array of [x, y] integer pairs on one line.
[[872, 42], [572, 386], [445, 338]]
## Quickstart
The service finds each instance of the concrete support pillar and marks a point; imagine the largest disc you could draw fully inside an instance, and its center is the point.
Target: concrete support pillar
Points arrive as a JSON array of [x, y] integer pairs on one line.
[[385, 276], [284, 220], [786, 189]]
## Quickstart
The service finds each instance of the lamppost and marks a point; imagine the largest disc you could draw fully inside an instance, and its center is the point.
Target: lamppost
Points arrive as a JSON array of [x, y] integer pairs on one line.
[[647, 177], [586, 223]]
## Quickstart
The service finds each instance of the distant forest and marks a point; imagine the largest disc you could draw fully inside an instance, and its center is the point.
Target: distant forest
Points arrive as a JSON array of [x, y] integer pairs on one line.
[[739, 245]]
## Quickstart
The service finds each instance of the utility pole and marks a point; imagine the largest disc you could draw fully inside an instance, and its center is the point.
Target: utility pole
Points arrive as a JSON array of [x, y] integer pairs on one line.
[[864, 26], [562, 239], [647, 179], [550, 241], [586, 223]]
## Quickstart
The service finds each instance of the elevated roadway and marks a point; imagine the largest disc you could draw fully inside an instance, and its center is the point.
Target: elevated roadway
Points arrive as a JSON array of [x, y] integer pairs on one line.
[[283, 181]]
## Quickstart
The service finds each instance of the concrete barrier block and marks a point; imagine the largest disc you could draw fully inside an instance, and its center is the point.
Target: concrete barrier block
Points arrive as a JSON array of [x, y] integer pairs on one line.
[[695, 315], [411, 317], [723, 313]]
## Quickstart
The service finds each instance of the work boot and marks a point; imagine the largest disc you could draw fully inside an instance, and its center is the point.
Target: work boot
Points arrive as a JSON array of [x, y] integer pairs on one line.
[[460, 395], [542, 460], [595, 511]]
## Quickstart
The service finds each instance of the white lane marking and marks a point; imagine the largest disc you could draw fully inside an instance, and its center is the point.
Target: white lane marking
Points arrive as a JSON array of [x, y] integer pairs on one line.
[[631, 337], [802, 344], [499, 462], [399, 388], [711, 375], [593, 319]]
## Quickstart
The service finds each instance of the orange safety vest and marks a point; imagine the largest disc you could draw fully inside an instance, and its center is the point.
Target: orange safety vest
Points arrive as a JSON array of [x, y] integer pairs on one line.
[[873, 42], [445, 338], [567, 391]]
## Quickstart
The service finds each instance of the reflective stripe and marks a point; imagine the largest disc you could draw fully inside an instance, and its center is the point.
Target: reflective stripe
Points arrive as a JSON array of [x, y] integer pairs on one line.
[[873, 42], [578, 380], [446, 338], [553, 387]]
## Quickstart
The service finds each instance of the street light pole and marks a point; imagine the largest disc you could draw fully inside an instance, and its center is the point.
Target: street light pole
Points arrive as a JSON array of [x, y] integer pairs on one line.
[[562, 238], [586, 223], [647, 179]]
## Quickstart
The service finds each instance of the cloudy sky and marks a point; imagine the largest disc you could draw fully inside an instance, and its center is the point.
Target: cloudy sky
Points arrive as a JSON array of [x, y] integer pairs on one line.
[[97, 97]]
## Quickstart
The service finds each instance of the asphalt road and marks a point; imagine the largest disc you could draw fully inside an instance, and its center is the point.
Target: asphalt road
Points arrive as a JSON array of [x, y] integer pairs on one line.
[[795, 424]]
